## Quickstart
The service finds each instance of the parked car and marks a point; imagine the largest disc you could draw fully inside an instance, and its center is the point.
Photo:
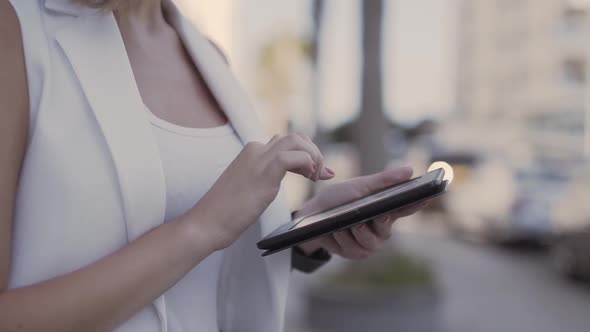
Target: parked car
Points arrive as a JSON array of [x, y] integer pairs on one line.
[[571, 248], [530, 218]]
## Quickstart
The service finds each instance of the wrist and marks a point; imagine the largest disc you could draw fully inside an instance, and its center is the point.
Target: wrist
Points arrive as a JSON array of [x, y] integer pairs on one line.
[[198, 236]]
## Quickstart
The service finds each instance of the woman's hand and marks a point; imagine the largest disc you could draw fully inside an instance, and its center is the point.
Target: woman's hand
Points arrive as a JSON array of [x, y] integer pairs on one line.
[[251, 182], [360, 241]]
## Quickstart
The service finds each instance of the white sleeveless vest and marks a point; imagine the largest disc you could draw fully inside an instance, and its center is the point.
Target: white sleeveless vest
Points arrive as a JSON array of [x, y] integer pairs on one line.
[[92, 180]]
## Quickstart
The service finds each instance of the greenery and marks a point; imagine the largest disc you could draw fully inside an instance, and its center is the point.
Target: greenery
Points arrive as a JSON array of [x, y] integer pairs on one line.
[[386, 272]]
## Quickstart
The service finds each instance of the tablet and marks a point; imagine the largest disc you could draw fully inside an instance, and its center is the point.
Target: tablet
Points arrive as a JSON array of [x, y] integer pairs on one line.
[[306, 228]]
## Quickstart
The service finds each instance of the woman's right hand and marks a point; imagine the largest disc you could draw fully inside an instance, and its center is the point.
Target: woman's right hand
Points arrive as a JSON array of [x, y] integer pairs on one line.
[[251, 183]]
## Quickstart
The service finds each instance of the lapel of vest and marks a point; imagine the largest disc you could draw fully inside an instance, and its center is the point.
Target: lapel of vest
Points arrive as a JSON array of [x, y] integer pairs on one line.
[[95, 49]]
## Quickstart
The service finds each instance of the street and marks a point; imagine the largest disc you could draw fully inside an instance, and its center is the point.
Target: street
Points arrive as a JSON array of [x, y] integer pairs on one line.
[[486, 289]]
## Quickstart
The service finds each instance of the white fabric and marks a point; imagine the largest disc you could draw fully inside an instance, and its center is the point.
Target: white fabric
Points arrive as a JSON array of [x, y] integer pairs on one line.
[[92, 178], [192, 159]]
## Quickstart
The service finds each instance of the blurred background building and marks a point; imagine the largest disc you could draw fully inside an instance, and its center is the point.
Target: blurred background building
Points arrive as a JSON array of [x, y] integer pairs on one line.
[[520, 59], [526, 62]]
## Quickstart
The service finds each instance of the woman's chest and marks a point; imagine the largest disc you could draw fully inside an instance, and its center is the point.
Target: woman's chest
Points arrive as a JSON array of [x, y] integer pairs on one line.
[[172, 87]]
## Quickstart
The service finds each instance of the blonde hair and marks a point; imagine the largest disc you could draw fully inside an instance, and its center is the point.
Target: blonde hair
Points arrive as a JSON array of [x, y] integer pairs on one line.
[[114, 4]]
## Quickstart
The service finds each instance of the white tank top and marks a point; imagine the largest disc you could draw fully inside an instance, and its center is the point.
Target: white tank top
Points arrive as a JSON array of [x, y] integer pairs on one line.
[[192, 160]]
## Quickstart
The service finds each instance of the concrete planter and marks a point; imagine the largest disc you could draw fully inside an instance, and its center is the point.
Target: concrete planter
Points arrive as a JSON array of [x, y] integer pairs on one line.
[[412, 309]]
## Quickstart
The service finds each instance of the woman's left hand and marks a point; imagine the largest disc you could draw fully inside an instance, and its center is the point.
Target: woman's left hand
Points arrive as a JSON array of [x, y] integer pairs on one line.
[[360, 241]]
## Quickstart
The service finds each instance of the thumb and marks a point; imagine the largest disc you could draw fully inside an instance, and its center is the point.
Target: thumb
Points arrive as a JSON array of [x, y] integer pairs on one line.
[[387, 178]]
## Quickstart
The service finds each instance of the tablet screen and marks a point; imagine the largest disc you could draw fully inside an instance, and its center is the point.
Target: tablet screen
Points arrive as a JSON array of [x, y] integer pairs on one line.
[[358, 203]]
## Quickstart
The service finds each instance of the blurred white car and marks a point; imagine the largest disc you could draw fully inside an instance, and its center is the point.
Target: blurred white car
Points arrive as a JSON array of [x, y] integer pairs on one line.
[[502, 204]]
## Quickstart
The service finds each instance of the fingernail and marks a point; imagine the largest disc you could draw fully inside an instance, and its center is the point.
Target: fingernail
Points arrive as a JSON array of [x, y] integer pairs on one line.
[[325, 174], [361, 227], [329, 170]]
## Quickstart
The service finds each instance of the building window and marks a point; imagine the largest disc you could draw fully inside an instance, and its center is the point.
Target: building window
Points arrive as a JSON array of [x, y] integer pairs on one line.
[[574, 71], [574, 19]]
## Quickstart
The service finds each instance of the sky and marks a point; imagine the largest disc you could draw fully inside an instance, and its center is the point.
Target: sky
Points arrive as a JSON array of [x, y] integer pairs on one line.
[[419, 41]]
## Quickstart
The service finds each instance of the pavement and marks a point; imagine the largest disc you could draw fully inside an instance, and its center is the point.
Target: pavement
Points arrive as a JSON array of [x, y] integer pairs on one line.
[[484, 288]]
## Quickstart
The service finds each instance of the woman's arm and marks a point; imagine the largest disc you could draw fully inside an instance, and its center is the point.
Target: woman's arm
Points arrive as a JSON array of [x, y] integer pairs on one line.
[[103, 295]]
